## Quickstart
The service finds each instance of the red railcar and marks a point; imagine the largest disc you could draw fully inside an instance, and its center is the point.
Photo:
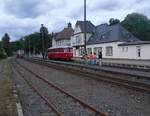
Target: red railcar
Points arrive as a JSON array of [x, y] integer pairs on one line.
[[62, 53]]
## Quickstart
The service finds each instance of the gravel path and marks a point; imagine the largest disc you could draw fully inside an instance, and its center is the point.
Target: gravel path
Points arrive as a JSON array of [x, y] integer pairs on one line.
[[32, 104], [116, 101], [7, 100]]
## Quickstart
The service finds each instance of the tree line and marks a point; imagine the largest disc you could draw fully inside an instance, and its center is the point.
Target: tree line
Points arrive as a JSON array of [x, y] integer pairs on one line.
[[30, 43], [137, 24]]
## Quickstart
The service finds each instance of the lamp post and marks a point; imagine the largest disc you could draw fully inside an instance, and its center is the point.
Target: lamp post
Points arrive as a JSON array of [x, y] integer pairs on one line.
[[84, 26]]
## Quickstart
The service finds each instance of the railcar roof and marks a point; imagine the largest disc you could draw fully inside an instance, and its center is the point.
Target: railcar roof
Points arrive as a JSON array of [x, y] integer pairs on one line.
[[60, 47]]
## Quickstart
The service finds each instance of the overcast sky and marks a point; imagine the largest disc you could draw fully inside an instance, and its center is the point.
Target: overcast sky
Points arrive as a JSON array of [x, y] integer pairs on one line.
[[21, 17]]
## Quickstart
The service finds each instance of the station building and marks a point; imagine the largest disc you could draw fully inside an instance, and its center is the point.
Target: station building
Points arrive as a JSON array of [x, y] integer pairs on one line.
[[63, 38], [114, 41]]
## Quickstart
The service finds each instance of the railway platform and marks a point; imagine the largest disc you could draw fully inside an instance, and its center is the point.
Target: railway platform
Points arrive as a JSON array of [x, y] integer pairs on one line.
[[130, 71], [125, 67]]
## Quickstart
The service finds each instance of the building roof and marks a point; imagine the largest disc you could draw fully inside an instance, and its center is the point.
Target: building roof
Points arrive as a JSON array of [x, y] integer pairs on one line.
[[105, 33], [90, 28], [64, 34], [134, 43], [59, 47]]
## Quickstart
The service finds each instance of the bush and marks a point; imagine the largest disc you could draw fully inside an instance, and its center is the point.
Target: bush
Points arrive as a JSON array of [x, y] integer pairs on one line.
[[2, 54]]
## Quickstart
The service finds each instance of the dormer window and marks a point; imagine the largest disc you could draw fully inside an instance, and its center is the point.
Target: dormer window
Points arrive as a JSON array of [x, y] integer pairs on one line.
[[128, 35], [103, 36]]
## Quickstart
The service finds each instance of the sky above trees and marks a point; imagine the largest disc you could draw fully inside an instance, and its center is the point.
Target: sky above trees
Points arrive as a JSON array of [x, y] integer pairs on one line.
[[21, 17]]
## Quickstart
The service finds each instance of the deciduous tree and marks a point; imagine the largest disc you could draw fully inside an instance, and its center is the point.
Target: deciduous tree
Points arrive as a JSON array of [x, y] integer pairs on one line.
[[137, 24], [6, 44]]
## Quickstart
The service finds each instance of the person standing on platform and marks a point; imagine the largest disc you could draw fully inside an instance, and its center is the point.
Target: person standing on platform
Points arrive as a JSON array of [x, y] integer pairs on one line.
[[46, 55], [100, 58], [94, 58], [85, 57], [43, 55], [90, 56]]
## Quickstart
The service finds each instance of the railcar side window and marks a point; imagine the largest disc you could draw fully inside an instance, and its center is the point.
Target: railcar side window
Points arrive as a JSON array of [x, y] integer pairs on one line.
[[66, 50]]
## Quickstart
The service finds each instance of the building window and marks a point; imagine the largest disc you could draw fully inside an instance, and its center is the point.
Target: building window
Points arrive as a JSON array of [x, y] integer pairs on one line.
[[124, 49], [78, 39], [97, 50], [58, 43], [89, 50], [138, 51], [109, 51], [81, 51]]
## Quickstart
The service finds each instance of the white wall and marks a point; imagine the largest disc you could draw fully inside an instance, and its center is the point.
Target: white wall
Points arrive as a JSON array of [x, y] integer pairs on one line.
[[132, 52], [81, 39], [53, 42], [104, 45], [77, 32], [129, 52], [78, 40], [145, 51], [61, 43]]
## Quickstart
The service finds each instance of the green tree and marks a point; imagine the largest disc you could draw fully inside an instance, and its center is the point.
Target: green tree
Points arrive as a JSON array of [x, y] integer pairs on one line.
[[2, 54], [6, 44], [44, 36], [113, 21], [34, 42], [17, 45], [137, 24]]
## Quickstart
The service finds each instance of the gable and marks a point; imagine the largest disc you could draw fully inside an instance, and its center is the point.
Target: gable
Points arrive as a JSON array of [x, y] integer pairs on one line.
[[77, 30]]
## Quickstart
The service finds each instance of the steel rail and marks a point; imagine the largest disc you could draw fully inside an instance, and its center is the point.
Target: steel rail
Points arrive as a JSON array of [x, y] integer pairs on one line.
[[36, 90], [98, 76], [97, 113]]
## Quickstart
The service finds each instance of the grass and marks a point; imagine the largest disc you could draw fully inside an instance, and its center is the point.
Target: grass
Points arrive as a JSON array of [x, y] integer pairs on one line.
[[7, 101]]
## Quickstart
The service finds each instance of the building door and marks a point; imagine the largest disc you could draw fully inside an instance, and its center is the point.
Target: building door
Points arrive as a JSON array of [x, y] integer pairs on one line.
[[138, 51], [97, 50]]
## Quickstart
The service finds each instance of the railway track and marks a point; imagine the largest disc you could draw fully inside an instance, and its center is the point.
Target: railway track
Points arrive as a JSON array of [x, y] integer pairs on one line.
[[96, 74], [16, 70], [47, 90]]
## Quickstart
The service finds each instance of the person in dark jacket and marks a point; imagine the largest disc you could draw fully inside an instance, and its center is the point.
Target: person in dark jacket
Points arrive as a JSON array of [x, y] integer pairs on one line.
[[43, 55], [100, 58]]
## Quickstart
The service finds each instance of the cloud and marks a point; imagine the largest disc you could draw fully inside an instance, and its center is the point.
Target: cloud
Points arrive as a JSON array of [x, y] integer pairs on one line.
[[75, 14], [31, 8], [22, 17], [106, 5], [27, 8]]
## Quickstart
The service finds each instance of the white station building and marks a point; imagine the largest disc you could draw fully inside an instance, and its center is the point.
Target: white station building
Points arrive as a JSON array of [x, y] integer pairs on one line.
[[114, 41]]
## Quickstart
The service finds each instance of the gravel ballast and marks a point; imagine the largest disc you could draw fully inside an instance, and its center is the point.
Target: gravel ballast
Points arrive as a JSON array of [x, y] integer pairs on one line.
[[63, 103], [32, 103], [115, 100]]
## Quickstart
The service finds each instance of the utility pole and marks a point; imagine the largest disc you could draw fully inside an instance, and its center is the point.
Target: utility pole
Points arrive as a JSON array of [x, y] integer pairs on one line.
[[43, 48], [85, 27], [29, 47]]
